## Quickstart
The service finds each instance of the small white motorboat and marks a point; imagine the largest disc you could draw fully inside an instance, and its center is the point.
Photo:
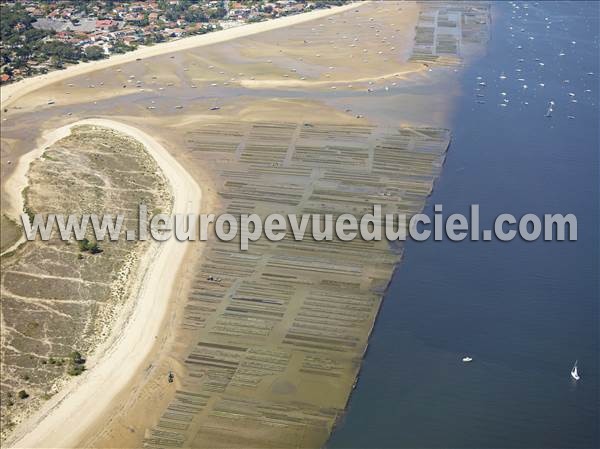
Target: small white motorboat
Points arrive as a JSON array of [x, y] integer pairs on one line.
[[467, 359], [574, 373]]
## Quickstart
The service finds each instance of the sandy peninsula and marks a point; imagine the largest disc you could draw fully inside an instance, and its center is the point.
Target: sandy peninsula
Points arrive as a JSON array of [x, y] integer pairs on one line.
[[60, 422], [324, 116]]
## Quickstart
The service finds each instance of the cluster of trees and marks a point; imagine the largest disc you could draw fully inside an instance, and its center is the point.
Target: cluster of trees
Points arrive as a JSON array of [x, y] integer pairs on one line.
[[154, 38], [75, 360], [86, 246], [58, 53], [24, 46], [23, 394], [329, 3], [13, 15], [94, 52], [19, 39], [192, 15], [122, 47], [77, 364], [76, 367]]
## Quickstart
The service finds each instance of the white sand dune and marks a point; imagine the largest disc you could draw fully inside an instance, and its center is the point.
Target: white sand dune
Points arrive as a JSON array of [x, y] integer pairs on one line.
[[65, 418]]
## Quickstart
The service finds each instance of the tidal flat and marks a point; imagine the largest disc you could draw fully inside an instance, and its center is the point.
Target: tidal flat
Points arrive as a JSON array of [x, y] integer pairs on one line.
[[328, 116]]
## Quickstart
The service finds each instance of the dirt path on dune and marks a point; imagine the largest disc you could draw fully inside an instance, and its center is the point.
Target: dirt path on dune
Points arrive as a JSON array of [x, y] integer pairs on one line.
[[64, 420]]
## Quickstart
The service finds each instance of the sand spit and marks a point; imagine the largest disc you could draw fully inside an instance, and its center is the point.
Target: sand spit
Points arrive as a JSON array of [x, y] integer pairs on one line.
[[267, 344], [62, 420], [269, 84], [12, 92], [57, 297]]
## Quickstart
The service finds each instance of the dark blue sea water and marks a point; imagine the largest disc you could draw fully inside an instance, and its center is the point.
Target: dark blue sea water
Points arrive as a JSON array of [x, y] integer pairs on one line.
[[523, 311]]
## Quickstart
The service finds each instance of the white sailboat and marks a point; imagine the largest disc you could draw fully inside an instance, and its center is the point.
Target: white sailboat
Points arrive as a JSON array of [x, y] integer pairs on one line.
[[574, 373]]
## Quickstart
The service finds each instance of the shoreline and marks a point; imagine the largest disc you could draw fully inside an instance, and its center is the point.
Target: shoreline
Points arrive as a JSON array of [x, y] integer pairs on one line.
[[12, 92], [59, 422], [17, 181], [115, 399]]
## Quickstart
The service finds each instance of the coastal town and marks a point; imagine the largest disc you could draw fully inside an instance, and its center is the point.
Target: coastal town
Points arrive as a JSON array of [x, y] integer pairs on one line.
[[38, 37]]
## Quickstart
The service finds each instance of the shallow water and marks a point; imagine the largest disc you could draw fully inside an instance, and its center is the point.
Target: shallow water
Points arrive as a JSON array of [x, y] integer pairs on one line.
[[523, 311]]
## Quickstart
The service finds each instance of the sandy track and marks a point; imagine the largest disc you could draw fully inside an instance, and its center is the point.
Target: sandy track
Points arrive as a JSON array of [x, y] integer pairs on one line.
[[63, 420], [12, 92]]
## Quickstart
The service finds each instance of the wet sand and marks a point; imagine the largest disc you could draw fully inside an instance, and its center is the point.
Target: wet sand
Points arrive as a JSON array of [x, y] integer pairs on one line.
[[12, 92], [240, 112]]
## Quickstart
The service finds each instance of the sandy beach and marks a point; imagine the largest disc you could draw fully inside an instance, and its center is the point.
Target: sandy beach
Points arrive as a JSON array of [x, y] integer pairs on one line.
[[319, 116], [60, 422], [10, 93]]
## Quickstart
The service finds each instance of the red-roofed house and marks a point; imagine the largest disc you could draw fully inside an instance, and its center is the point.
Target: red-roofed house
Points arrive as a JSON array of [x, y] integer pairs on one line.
[[105, 24]]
